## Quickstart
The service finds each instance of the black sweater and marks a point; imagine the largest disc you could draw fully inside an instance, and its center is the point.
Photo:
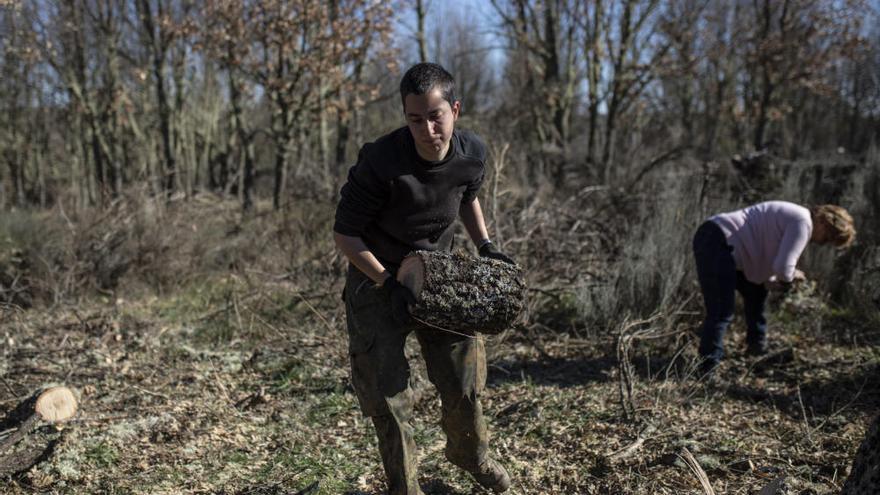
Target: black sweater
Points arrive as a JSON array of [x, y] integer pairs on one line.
[[397, 202]]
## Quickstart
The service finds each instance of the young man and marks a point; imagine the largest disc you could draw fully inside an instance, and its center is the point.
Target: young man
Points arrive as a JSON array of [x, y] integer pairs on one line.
[[403, 194], [749, 251]]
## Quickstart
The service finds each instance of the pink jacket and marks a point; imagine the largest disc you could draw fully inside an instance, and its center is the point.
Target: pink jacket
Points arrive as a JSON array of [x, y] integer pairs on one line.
[[767, 238]]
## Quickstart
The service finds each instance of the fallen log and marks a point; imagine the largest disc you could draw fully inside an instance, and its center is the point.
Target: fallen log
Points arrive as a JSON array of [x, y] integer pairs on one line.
[[52, 406], [461, 293], [27, 457]]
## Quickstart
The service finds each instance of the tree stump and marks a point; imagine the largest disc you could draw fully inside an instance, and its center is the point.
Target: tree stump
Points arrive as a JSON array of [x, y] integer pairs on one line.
[[865, 475], [461, 293], [53, 405]]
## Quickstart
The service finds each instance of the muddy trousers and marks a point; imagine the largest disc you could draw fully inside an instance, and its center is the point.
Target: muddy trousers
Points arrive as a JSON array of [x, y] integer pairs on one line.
[[380, 372]]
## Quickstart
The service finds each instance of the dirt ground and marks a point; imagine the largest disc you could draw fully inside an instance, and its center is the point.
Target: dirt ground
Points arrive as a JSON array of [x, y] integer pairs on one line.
[[228, 387]]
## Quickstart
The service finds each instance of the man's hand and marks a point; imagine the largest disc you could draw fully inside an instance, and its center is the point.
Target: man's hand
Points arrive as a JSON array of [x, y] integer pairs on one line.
[[488, 250], [401, 298]]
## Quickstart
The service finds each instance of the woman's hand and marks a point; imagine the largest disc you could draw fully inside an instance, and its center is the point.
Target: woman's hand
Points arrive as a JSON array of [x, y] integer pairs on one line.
[[775, 285]]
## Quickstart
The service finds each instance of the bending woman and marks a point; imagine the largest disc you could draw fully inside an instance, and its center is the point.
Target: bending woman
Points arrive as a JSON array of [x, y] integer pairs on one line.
[[750, 250]]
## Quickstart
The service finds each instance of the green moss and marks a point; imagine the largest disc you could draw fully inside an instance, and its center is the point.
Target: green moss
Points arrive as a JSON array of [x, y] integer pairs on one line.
[[102, 455]]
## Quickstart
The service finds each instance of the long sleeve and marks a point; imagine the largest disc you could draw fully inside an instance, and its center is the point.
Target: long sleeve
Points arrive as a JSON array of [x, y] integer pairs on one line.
[[478, 150], [794, 240], [471, 190], [362, 197]]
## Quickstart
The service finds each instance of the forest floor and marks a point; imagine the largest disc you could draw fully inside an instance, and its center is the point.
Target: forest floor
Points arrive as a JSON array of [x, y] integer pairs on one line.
[[230, 387]]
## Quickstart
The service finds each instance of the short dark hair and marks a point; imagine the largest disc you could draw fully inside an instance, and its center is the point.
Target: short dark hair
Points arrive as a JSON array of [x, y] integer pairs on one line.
[[421, 78]]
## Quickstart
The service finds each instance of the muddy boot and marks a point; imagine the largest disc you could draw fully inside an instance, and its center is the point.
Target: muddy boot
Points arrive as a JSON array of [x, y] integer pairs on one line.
[[398, 452], [492, 476]]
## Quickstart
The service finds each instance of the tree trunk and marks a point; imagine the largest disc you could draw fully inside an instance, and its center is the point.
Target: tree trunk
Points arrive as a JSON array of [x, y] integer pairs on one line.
[[420, 31], [280, 171], [594, 77], [16, 177], [618, 89], [281, 133], [343, 134], [323, 139], [158, 48], [462, 294], [865, 475], [245, 141]]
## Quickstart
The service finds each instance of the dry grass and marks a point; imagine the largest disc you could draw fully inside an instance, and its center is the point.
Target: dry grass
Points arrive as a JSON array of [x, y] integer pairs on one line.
[[258, 401], [216, 361]]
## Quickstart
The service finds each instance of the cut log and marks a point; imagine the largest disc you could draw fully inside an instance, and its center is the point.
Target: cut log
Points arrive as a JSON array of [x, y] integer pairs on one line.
[[864, 477], [461, 293], [53, 405], [56, 404]]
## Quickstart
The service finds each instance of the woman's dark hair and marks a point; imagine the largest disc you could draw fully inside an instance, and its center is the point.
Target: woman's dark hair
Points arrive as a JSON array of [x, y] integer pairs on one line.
[[421, 78]]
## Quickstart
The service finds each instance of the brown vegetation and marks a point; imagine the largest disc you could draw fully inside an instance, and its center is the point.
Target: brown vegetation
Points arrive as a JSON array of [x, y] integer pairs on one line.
[[167, 185]]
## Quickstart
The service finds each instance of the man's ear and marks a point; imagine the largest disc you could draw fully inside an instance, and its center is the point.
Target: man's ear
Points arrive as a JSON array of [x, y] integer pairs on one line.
[[456, 109]]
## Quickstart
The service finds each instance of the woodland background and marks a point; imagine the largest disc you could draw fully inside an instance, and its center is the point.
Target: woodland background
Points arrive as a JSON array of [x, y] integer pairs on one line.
[[169, 172]]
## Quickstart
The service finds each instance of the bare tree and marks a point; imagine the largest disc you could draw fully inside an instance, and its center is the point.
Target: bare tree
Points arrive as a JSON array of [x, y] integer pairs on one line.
[[13, 88], [633, 59], [301, 54], [158, 32], [543, 37], [224, 38], [463, 51], [789, 45]]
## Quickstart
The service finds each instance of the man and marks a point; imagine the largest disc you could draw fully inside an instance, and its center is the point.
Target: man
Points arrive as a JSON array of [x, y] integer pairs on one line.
[[404, 194], [751, 250]]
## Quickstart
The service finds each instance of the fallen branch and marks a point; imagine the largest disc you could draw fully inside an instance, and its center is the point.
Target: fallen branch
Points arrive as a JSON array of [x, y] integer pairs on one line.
[[629, 332], [634, 446], [695, 468]]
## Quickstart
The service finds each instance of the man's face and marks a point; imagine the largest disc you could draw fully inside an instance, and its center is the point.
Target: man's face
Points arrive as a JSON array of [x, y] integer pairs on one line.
[[430, 119]]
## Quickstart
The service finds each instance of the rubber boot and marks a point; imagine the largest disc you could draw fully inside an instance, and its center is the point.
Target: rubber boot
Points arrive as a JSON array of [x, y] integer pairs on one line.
[[398, 450], [492, 476]]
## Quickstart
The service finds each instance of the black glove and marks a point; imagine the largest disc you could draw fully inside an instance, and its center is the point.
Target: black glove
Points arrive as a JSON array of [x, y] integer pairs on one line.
[[488, 250], [401, 298]]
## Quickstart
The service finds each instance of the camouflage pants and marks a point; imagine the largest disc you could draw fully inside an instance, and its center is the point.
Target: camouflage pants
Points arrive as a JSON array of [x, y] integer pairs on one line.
[[380, 374]]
